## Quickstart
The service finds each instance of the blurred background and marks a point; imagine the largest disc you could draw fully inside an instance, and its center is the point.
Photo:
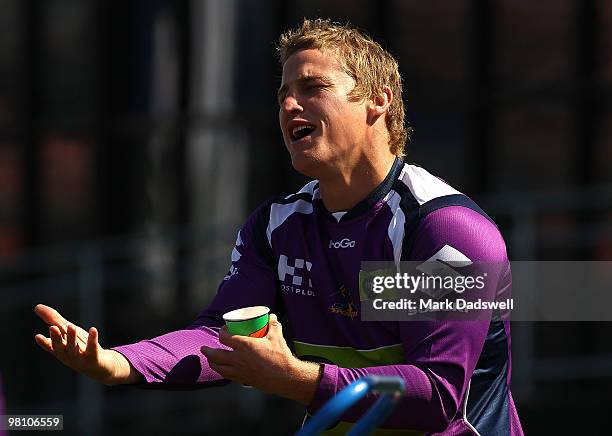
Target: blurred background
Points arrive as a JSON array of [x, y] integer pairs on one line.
[[136, 136]]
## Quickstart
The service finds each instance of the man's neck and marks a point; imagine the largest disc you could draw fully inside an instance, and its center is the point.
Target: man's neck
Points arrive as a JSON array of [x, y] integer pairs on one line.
[[347, 188]]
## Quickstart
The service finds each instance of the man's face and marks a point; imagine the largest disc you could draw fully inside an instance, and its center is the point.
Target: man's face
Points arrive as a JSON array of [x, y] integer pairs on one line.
[[324, 130]]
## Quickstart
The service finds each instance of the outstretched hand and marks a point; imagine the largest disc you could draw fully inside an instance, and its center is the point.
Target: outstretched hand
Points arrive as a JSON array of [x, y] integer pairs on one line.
[[80, 350], [265, 363]]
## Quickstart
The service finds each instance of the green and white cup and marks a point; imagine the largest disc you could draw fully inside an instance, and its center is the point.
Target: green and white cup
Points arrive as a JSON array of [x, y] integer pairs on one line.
[[248, 321]]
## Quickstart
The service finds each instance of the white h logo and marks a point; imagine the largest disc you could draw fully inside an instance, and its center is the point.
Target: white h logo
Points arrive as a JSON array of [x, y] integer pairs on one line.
[[285, 269]]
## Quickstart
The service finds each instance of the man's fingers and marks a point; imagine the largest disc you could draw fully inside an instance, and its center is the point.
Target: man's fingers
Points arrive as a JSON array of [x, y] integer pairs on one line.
[[217, 355], [51, 317], [222, 362], [44, 343], [235, 342], [275, 326], [225, 371], [82, 336], [92, 342], [224, 337], [57, 342], [72, 346]]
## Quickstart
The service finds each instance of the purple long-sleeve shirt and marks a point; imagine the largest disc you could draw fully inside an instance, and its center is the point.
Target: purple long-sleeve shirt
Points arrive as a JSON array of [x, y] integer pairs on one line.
[[303, 262]]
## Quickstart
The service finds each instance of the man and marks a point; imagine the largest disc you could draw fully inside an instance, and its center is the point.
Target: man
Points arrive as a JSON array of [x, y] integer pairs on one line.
[[342, 121]]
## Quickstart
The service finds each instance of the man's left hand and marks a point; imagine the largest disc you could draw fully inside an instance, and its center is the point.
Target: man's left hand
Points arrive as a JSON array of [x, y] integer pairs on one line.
[[265, 363]]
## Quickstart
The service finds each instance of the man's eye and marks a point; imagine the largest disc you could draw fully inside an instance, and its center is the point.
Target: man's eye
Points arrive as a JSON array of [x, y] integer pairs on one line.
[[315, 87]]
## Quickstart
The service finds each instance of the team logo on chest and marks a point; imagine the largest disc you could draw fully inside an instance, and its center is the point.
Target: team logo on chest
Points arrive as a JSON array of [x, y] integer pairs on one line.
[[345, 305], [294, 275]]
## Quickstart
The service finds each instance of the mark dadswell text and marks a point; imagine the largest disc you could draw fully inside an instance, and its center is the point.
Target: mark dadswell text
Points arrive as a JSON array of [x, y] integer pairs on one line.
[[432, 305]]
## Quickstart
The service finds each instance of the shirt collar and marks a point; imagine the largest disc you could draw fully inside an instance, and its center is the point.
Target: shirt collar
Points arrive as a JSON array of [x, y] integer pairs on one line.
[[377, 194]]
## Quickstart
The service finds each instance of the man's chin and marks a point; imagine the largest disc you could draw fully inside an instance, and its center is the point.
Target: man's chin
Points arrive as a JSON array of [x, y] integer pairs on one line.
[[305, 165]]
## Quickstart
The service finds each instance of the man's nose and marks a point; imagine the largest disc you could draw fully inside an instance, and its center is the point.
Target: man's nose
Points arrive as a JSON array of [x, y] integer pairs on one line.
[[291, 105]]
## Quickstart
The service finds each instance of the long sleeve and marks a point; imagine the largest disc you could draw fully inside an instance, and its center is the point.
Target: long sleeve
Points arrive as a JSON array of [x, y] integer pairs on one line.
[[439, 356], [174, 360]]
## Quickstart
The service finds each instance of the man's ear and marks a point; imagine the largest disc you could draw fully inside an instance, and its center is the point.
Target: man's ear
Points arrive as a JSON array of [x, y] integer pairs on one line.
[[379, 105]]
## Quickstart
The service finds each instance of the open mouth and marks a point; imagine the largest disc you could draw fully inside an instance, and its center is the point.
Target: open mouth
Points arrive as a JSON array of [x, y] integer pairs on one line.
[[301, 131]]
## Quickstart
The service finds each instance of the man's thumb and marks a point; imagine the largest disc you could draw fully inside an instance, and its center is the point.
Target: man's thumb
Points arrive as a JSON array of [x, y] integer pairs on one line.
[[275, 323]]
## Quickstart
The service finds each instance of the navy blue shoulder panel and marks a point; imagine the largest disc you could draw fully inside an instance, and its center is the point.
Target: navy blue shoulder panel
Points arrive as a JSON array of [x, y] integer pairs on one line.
[[487, 407], [414, 212], [292, 198], [451, 200], [410, 207], [261, 217]]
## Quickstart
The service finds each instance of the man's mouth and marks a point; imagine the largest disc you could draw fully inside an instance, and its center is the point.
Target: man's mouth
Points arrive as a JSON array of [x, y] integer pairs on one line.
[[301, 131]]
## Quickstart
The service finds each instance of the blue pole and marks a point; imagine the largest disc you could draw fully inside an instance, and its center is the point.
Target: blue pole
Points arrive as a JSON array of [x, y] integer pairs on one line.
[[390, 388]]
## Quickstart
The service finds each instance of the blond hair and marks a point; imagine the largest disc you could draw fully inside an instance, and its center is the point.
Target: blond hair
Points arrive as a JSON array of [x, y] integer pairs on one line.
[[371, 67]]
